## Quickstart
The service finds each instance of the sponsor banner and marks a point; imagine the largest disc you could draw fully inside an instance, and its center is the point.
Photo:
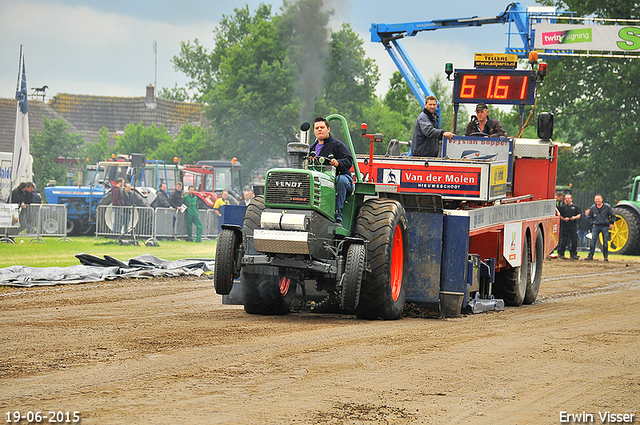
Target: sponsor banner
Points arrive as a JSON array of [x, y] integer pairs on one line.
[[478, 148], [495, 60], [9, 215], [512, 243], [458, 181], [498, 184], [614, 38]]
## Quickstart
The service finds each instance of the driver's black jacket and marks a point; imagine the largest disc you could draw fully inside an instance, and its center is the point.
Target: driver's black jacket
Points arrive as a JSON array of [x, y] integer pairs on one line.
[[492, 127], [340, 152]]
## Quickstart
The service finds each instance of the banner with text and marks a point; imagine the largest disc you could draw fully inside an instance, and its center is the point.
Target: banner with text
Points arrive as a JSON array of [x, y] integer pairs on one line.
[[614, 38]]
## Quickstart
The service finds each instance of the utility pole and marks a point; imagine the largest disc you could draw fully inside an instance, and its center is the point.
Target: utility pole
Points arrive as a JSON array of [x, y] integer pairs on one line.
[[155, 79]]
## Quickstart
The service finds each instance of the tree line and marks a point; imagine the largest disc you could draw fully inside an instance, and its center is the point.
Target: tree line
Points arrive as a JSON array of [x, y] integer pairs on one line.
[[269, 72]]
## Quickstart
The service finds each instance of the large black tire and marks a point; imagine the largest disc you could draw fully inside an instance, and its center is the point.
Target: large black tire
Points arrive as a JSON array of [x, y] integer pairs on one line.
[[89, 229], [352, 280], [624, 238], [263, 289], [512, 283], [383, 223], [225, 261], [535, 277], [252, 221], [73, 227]]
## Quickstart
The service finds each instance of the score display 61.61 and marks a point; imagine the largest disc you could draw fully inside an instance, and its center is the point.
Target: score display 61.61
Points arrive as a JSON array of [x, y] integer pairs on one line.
[[511, 87]]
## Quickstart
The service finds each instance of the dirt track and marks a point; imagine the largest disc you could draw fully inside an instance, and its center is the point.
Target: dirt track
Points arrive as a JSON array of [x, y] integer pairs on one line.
[[168, 351]]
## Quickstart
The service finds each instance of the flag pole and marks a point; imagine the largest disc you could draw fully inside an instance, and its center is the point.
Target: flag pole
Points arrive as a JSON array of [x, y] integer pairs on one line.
[[21, 141]]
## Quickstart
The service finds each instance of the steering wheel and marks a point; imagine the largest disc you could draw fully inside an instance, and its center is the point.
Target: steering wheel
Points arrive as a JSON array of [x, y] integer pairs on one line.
[[478, 134]]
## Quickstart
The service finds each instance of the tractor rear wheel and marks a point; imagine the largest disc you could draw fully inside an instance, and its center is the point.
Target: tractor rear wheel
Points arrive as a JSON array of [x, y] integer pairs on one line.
[[533, 285], [624, 238], [513, 282], [383, 223], [352, 279], [223, 272]]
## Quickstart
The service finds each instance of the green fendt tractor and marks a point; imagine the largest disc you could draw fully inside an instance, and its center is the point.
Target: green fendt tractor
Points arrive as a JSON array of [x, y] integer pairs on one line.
[[625, 236], [290, 236]]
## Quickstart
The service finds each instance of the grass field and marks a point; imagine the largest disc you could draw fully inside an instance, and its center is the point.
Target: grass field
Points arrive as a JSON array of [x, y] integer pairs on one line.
[[62, 254]]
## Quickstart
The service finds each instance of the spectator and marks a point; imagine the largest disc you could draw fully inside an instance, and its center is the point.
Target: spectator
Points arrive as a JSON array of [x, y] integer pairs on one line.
[[116, 193], [248, 196], [28, 193], [559, 203], [583, 228], [126, 211], [559, 199], [21, 195], [17, 194], [117, 200], [176, 196], [37, 198], [426, 133], [601, 217], [162, 198], [175, 200], [127, 196], [192, 217], [222, 200], [481, 123], [569, 216]]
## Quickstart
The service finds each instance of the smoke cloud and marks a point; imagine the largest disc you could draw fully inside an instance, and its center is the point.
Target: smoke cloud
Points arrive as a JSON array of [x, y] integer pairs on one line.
[[309, 50]]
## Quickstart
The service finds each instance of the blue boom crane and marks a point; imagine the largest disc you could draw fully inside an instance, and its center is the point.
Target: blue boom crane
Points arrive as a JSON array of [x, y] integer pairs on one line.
[[521, 24]]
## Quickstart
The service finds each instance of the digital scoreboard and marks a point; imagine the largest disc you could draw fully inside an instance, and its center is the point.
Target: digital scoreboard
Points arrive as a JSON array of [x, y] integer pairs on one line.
[[495, 86]]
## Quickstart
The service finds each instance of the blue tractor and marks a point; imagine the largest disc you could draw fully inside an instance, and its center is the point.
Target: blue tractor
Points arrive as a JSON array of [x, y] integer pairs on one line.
[[81, 201]]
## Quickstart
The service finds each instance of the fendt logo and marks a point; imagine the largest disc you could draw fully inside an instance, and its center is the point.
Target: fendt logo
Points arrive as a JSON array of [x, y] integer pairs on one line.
[[288, 184]]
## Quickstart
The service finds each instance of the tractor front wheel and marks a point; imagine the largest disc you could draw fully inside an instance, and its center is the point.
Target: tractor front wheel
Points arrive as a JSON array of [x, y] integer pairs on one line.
[[224, 269], [352, 279]]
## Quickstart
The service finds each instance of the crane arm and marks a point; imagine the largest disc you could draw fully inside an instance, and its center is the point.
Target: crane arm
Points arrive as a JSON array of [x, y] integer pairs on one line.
[[390, 34]]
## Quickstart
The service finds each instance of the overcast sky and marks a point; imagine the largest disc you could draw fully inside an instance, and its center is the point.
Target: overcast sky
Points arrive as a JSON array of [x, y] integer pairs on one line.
[[99, 47]]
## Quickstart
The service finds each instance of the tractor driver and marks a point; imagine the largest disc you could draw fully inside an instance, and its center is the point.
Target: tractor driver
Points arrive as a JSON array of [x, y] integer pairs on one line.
[[481, 123], [327, 145]]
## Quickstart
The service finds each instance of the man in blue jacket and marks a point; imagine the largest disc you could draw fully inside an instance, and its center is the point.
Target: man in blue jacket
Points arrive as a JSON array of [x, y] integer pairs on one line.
[[327, 145], [601, 216], [426, 134]]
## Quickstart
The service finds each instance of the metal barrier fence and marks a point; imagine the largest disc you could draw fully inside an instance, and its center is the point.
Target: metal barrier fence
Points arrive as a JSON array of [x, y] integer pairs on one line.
[[146, 222], [113, 220], [170, 224], [39, 220]]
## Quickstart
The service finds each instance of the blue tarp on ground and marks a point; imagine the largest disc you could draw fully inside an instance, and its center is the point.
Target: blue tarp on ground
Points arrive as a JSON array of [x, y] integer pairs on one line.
[[95, 269]]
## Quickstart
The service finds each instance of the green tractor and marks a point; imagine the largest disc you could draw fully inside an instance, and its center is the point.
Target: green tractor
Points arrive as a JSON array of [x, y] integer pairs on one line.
[[290, 236], [624, 238]]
